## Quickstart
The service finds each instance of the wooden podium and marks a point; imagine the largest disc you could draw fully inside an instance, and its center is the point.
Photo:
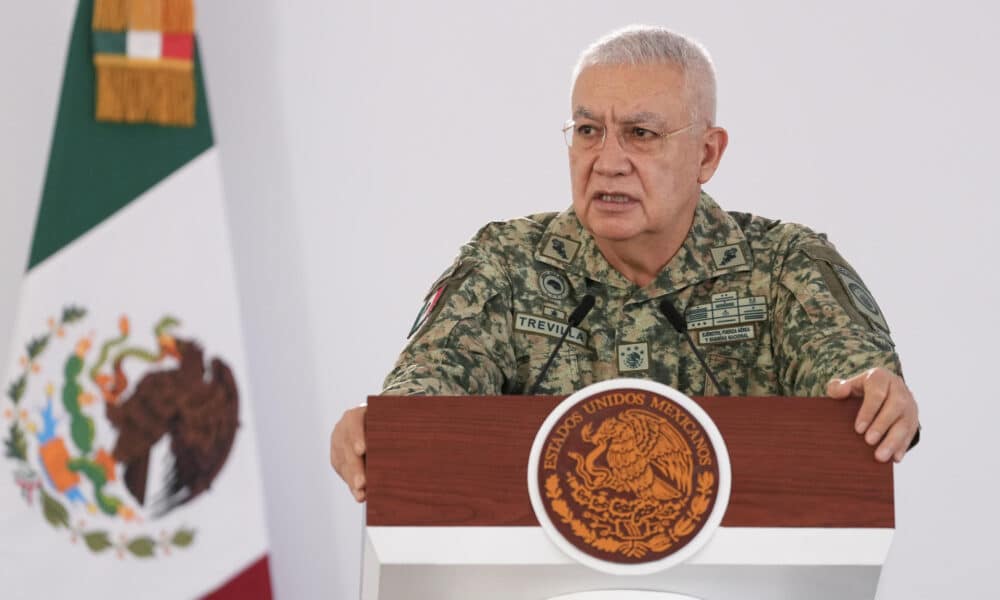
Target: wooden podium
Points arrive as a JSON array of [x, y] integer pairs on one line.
[[448, 512]]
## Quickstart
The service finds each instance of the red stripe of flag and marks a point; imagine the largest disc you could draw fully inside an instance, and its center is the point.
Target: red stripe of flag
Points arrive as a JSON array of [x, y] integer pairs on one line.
[[252, 583]]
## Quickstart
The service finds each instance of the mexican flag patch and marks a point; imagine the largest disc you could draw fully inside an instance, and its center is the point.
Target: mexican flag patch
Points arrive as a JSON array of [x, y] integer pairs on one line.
[[426, 310]]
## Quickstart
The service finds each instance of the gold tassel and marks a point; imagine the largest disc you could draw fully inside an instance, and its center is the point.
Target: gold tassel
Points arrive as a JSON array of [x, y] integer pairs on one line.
[[145, 91], [145, 15], [110, 15], [178, 16]]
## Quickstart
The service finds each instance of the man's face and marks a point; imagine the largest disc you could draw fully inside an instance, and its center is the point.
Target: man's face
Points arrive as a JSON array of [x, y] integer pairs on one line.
[[621, 195]]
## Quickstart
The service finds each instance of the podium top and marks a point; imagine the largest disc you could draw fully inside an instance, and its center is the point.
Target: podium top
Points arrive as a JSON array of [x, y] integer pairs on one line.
[[462, 461]]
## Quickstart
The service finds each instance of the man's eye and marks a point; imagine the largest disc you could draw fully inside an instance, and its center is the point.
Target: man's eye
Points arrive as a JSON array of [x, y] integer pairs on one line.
[[641, 133], [587, 131]]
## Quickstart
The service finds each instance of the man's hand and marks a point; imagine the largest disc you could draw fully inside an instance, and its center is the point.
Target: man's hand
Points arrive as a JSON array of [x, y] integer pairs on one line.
[[347, 450], [888, 414]]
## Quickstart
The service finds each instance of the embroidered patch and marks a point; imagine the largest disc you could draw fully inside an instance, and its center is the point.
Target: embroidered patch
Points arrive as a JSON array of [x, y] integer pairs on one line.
[[728, 256], [633, 357], [727, 334], [553, 285], [861, 297], [727, 308], [426, 310], [561, 249], [549, 327]]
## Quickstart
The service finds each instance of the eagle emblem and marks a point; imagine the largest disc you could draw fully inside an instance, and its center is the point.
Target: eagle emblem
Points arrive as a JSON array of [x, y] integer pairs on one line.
[[628, 476], [644, 455], [114, 432]]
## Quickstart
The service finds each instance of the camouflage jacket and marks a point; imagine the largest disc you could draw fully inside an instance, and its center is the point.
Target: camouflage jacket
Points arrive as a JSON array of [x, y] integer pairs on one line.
[[773, 307]]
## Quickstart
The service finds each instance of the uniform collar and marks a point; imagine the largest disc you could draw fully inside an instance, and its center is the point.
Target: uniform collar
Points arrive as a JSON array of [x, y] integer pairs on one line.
[[715, 245]]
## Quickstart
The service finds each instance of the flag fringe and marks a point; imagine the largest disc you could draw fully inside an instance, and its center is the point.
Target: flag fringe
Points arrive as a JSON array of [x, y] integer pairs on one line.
[[145, 15], [170, 16], [110, 15], [137, 91], [178, 16]]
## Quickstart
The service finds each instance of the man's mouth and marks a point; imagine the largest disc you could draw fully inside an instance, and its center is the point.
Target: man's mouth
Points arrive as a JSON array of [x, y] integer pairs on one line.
[[614, 199]]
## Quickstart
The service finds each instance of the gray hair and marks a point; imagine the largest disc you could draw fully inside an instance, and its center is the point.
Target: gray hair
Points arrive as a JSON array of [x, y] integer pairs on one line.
[[644, 44]]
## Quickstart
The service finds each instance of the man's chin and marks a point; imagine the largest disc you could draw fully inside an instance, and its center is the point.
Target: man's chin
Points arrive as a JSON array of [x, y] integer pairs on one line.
[[615, 232]]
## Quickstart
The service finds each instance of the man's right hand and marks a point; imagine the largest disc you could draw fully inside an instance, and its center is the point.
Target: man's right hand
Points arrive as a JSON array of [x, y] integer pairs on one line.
[[347, 450]]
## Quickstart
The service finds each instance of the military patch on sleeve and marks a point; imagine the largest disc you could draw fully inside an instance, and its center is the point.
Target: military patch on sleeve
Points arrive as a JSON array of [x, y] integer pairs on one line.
[[561, 249], [861, 297], [728, 256], [426, 310], [847, 287], [458, 270]]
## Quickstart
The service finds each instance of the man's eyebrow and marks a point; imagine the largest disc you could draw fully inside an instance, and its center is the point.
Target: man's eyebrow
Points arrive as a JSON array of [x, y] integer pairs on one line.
[[641, 117], [582, 112]]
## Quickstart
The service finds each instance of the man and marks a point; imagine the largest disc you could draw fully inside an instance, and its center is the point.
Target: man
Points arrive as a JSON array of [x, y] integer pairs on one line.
[[774, 307]]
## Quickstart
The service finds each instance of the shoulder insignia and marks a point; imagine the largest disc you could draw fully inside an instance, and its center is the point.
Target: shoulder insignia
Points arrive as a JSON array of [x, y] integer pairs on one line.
[[861, 297], [847, 287], [425, 311], [458, 270]]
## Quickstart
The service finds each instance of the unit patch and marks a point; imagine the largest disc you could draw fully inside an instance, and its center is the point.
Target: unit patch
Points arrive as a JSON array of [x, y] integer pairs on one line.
[[726, 334], [861, 297], [553, 285], [633, 357], [549, 327], [426, 310], [561, 249], [728, 256], [725, 309]]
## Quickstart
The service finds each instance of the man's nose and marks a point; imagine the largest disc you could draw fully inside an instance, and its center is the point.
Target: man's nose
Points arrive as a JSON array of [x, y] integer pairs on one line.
[[611, 157]]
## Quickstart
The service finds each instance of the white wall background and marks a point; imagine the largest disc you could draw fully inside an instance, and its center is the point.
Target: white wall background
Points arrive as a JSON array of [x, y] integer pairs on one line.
[[363, 142]]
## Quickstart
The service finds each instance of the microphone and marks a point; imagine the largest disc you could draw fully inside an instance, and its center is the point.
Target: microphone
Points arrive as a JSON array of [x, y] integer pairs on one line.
[[575, 318], [680, 325]]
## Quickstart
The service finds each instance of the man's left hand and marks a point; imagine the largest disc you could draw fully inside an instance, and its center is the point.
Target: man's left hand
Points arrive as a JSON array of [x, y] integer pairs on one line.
[[888, 414]]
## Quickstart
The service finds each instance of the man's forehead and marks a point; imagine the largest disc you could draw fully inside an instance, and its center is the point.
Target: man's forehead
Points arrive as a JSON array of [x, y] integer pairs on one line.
[[629, 92]]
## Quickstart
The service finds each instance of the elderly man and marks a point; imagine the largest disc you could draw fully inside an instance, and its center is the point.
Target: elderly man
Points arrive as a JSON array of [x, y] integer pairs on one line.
[[774, 307]]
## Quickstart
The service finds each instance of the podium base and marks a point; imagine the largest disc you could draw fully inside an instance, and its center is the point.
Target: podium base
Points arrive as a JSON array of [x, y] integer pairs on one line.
[[500, 563]]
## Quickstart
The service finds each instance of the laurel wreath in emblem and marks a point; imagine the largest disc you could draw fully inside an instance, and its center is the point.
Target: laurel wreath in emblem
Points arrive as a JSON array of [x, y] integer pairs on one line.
[[632, 528], [56, 453]]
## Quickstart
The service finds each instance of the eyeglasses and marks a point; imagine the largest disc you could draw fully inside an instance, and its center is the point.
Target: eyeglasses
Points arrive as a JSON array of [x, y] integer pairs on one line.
[[634, 139]]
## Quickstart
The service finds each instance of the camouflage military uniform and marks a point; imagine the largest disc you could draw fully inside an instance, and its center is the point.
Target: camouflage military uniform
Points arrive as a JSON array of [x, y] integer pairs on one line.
[[773, 307]]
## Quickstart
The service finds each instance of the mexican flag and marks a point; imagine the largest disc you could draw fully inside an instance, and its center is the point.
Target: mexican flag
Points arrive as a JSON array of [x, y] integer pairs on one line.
[[128, 462]]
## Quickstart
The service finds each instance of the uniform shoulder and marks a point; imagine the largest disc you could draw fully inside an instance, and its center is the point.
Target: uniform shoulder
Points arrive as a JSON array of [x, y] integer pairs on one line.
[[523, 232], [772, 234]]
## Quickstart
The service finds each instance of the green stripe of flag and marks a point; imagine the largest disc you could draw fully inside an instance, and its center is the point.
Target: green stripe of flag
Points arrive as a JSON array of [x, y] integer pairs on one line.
[[97, 168], [109, 42]]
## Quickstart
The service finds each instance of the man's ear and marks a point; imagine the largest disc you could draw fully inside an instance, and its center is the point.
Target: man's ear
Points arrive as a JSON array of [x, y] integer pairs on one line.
[[714, 142]]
